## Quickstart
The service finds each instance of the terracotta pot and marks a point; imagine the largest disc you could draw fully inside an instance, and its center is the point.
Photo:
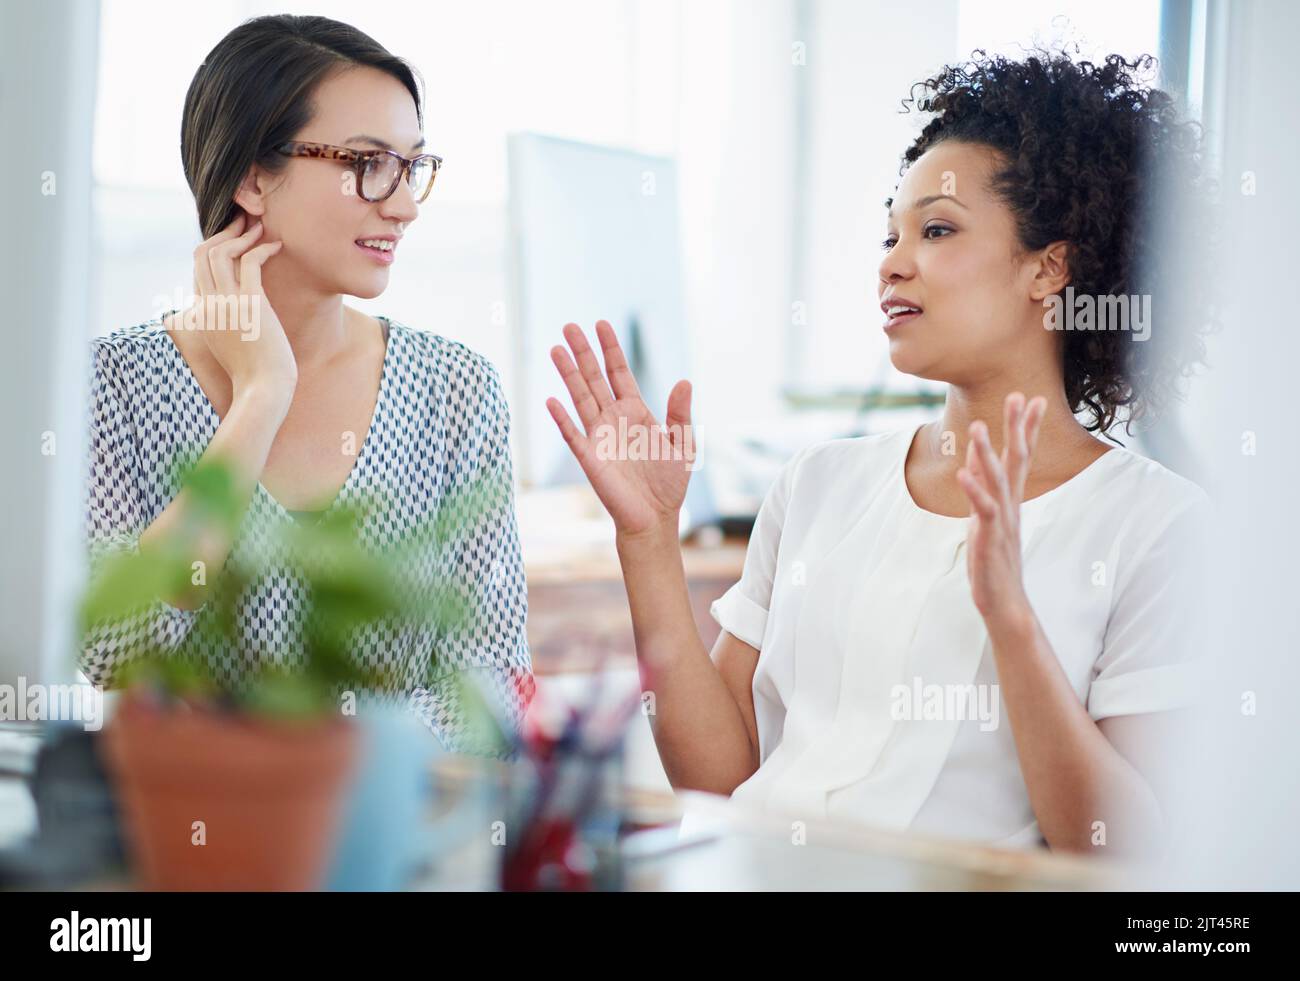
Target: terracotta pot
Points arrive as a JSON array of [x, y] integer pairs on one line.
[[269, 795]]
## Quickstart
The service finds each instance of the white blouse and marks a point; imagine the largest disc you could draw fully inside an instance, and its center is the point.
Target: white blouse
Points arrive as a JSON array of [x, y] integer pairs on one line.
[[875, 689]]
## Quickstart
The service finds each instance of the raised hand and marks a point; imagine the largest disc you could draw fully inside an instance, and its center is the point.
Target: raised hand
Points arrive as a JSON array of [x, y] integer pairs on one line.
[[231, 311], [995, 488], [638, 468]]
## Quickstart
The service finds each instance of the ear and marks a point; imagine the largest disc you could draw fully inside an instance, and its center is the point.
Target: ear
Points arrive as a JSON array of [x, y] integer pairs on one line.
[[252, 190], [1052, 271]]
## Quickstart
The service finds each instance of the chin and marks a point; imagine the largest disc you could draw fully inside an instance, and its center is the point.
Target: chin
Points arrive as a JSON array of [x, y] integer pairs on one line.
[[913, 362], [367, 289]]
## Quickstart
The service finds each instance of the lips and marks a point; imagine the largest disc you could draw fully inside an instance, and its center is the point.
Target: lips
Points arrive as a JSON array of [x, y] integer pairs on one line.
[[900, 319], [899, 310], [380, 255]]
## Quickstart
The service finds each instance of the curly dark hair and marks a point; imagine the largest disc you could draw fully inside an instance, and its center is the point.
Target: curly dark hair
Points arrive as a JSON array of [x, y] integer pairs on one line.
[[1093, 157]]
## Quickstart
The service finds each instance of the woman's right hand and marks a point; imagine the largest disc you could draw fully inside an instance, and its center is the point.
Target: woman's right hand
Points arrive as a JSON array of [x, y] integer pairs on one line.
[[254, 351], [642, 491]]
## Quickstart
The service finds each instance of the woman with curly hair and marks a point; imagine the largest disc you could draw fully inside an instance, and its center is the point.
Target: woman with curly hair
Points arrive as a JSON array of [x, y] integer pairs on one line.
[[974, 628]]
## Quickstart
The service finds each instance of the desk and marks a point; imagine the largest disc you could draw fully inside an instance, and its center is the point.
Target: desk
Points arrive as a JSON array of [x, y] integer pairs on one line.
[[752, 851], [757, 852], [749, 850]]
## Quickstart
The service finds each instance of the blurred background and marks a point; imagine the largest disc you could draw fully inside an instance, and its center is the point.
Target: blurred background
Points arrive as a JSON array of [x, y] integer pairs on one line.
[[724, 164], [780, 117]]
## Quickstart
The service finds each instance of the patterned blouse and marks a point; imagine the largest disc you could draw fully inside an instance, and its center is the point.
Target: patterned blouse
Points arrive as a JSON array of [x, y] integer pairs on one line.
[[440, 425]]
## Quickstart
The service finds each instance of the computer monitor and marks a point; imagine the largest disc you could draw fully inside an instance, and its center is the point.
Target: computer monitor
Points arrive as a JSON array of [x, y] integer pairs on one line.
[[594, 235]]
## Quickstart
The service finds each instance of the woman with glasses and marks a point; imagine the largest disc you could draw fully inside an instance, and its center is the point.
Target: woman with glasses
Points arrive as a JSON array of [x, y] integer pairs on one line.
[[302, 141]]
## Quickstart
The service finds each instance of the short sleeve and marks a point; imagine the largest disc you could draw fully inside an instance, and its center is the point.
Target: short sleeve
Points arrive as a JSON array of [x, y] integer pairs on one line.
[[114, 523], [742, 610], [1153, 658], [483, 564]]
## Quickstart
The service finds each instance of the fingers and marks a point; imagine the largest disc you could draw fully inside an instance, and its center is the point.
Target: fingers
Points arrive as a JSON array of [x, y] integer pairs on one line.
[[238, 225], [679, 405], [620, 375], [1015, 459], [981, 500], [1012, 408], [588, 365], [583, 401], [250, 266], [677, 419], [1002, 479], [221, 258], [972, 460], [203, 281], [1033, 423], [568, 430], [975, 469], [995, 477], [578, 444]]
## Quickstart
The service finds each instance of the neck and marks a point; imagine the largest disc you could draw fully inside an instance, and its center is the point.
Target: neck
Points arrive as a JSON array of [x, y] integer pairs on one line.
[[1060, 433], [315, 324]]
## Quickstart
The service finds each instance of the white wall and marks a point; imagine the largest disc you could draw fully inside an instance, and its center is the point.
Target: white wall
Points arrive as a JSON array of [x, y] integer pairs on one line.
[[1245, 767], [709, 83], [782, 115], [863, 60], [45, 267]]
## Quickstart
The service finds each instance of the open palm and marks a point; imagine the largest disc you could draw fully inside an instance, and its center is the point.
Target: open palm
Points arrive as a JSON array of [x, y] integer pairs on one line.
[[638, 468]]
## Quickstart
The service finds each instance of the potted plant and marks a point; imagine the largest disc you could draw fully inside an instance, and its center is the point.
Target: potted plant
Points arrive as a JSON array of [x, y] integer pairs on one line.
[[241, 786]]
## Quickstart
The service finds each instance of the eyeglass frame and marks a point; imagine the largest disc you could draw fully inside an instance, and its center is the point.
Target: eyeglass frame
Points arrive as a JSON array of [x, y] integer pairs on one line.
[[359, 159]]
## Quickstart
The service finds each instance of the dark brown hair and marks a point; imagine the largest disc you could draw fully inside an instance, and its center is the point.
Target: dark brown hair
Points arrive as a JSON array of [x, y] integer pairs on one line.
[[1091, 155], [254, 92]]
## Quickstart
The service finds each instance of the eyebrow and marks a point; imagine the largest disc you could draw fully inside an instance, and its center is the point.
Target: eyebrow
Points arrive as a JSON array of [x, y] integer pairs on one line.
[[921, 203], [380, 143]]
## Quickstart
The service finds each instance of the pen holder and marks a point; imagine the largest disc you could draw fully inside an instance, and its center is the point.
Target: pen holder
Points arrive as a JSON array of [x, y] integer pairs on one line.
[[564, 817]]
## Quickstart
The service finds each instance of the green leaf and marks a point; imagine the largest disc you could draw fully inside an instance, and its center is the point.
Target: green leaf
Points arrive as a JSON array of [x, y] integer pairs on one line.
[[349, 589]]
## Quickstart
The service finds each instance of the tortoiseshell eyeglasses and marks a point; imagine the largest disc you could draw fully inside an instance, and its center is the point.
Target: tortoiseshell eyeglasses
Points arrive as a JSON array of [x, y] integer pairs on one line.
[[378, 171]]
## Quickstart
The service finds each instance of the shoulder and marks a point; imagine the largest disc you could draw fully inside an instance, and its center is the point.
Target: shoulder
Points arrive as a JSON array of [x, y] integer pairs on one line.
[[130, 362], [129, 344], [850, 461], [1151, 513], [836, 475], [1151, 490], [452, 380], [449, 362], [851, 452]]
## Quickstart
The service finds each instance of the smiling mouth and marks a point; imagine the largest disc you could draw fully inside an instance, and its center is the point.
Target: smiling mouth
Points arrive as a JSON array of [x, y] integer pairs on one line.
[[382, 253], [900, 317]]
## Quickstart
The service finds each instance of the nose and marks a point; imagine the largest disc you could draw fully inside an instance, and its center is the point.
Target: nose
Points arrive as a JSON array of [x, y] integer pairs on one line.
[[400, 205], [897, 265]]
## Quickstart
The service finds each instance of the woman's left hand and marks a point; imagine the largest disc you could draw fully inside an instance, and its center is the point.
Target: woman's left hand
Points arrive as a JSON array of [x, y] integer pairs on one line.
[[995, 488]]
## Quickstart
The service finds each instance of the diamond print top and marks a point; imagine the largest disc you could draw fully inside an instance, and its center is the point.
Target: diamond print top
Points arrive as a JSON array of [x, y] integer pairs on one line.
[[440, 423]]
